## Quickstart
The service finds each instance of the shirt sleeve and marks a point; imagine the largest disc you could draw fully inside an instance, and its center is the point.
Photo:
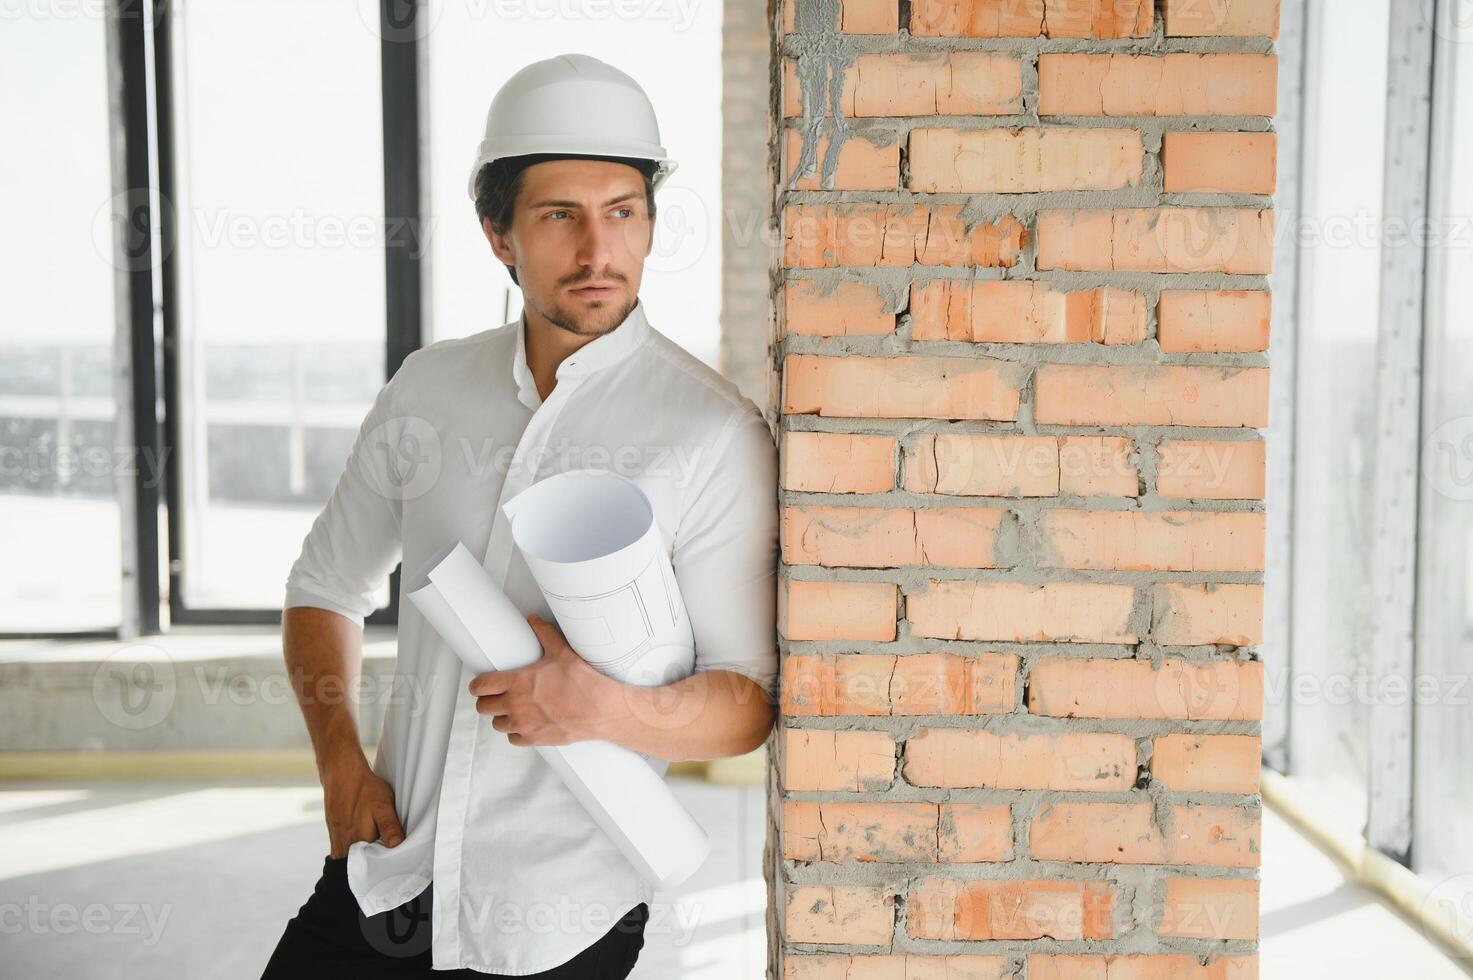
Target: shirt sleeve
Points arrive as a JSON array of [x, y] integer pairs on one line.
[[726, 551], [356, 540]]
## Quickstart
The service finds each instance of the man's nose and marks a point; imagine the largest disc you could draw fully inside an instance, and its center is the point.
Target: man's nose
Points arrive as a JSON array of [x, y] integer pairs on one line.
[[596, 244]]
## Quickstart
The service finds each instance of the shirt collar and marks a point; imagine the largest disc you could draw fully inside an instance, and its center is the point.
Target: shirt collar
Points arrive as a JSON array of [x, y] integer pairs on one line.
[[599, 353]]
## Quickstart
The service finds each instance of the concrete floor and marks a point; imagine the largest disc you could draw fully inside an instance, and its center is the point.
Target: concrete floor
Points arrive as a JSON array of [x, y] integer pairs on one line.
[[174, 879], [111, 880]]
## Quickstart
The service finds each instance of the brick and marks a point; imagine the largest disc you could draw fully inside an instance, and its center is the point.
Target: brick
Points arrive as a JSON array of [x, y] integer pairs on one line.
[[839, 914], [792, 89], [914, 684], [1211, 470], [848, 309], [1150, 394], [955, 83], [881, 537], [901, 387], [869, 17], [943, 683], [1170, 541], [1163, 967], [1188, 614], [897, 832], [1077, 761], [1190, 763], [897, 966], [944, 908], [1214, 690], [826, 236], [1203, 18], [1066, 612], [1224, 163], [1020, 161], [1125, 833], [1190, 322], [1157, 85], [860, 165], [837, 684], [1098, 466], [1207, 908], [1234, 241], [1017, 311], [837, 462], [868, 832], [1031, 18], [814, 759], [983, 466], [974, 832], [836, 610]]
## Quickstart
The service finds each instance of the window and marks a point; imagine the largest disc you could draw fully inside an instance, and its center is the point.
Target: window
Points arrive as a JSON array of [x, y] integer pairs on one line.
[[287, 278], [279, 155], [1442, 807], [59, 461], [1335, 403], [1362, 282]]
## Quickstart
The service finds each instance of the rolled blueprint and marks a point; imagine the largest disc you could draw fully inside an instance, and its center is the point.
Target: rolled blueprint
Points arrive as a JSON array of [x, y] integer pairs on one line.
[[590, 539], [626, 797]]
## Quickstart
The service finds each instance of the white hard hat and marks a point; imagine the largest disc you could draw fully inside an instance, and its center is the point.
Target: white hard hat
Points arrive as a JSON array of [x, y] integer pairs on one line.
[[573, 104]]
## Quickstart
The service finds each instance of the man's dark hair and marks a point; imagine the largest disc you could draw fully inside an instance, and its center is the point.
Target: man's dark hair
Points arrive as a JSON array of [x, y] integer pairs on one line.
[[499, 182]]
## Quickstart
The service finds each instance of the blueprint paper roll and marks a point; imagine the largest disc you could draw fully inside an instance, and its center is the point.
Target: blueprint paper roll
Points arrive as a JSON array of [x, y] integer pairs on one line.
[[590, 539], [628, 799]]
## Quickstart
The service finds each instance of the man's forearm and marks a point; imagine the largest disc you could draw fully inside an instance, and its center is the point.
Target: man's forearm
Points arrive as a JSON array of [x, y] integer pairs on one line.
[[324, 655], [708, 715]]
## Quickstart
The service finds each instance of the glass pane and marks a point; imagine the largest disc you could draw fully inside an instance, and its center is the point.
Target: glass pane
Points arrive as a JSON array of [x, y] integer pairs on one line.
[[676, 58], [281, 227], [58, 457], [1335, 405], [1443, 793]]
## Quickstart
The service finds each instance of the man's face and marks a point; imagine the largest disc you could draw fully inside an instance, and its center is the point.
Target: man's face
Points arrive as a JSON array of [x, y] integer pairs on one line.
[[577, 223]]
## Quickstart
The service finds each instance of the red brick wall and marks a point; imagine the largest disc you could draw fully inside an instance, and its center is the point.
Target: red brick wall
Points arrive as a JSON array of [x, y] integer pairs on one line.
[[1022, 333]]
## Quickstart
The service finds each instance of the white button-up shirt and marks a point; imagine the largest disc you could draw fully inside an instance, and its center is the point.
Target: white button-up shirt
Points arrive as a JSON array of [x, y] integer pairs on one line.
[[523, 877]]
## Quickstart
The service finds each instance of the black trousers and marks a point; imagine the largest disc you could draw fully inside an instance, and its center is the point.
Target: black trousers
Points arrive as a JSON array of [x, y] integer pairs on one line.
[[330, 937]]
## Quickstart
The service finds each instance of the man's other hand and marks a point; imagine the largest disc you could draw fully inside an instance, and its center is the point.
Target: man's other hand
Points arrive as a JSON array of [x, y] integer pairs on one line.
[[555, 701]]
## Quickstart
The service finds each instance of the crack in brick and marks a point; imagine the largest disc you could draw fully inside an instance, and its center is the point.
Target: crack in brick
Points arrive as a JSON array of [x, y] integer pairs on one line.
[[890, 687]]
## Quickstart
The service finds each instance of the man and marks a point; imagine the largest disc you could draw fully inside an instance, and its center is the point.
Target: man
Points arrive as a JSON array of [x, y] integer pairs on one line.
[[459, 850]]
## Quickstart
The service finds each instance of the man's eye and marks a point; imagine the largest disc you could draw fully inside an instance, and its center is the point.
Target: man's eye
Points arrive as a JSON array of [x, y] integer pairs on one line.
[[629, 211], [555, 213]]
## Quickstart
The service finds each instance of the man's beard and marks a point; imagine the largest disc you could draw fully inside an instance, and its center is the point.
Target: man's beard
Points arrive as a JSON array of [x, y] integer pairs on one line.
[[594, 322]]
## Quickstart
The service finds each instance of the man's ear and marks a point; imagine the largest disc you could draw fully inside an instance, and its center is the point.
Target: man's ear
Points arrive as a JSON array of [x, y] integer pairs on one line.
[[500, 246]]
